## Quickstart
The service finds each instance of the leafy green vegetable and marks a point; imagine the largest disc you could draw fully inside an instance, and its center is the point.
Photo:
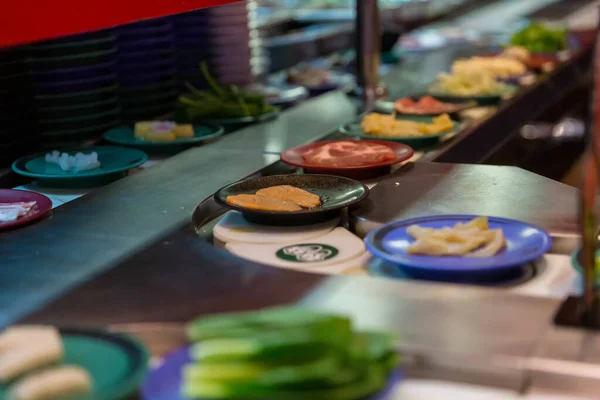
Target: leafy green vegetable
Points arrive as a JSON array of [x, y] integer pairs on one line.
[[220, 101], [285, 354], [539, 38]]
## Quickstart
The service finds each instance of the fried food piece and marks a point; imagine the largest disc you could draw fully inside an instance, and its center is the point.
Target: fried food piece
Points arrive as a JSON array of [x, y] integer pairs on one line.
[[289, 193], [262, 203]]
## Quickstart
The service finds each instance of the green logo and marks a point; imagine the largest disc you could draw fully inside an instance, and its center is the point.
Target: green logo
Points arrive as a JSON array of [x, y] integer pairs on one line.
[[307, 252]]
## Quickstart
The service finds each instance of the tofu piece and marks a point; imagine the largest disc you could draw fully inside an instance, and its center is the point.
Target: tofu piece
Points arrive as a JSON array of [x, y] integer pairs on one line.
[[29, 356], [184, 131], [290, 193], [255, 202], [54, 383]]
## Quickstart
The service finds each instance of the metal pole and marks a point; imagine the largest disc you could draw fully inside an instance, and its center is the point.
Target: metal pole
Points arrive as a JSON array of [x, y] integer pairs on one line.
[[368, 32]]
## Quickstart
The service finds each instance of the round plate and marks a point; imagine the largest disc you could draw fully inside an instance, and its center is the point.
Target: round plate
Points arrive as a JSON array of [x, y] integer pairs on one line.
[[125, 136], [525, 243], [42, 207], [486, 100], [114, 162], [461, 105], [116, 363], [294, 157], [576, 261], [339, 80], [241, 120], [354, 129], [164, 382], [335, 192]]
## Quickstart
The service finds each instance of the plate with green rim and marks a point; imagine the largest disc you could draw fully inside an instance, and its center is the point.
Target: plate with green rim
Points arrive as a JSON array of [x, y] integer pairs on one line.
[[125, 136], [115, 162], [482, 100], [239, 120], [354, 129], [117, 363]]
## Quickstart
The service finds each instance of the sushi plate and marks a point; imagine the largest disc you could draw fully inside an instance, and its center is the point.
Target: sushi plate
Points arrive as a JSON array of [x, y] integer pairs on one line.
[[354, 129], [125, 136], [117, 363], [482, 100], [388, 107], [115, 161], [524, 243], [42, 207], [164, 382], [336, 193], [294, 157]]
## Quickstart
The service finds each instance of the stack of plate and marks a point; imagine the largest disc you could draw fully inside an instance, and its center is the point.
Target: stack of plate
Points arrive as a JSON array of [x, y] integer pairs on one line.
[[75, 88], [18, 130], [147, 72], [226, 39]]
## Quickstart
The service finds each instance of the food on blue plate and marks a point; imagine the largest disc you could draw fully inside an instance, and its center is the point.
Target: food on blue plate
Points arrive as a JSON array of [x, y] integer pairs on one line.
[[471, 84], [348, 154], [472, 239], [73, 163], [276, 198], [497, 67], [13, 211], [54, 383], [290, 193], [162, 131], [387, 125], [22, 354], [261, 203], [227, 101], [540, 38], [285, 354], [309, 76]]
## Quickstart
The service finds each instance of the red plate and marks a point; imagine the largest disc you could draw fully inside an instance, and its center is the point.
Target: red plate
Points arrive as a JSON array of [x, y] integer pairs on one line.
[[293, 157], [42, 207]]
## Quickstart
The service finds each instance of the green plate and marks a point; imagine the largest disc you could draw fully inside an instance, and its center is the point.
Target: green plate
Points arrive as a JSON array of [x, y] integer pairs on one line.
[[354, 129], [202, 133], [116, 363], [579, 268], [115, 162], [487, 100], [76, 98]]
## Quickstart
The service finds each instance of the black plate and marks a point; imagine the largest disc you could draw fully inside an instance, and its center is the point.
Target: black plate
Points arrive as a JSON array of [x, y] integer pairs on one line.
[[336, 193]]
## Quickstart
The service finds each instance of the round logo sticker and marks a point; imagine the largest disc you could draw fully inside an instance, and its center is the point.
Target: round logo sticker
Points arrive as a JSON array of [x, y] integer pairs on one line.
[[307, 252]]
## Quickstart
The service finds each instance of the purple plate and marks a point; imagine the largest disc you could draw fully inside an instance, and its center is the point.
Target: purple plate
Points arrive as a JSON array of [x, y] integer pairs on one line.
[[164, 382], [525, 243]]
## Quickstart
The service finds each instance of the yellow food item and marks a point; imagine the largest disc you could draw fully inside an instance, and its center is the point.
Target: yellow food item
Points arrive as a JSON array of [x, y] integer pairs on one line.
[[289, 193], [387, 125], [517, 52], [160, 136], [184, 131], [497, 67], [141, 129], [262, 203], [473, 239], [468, 84]]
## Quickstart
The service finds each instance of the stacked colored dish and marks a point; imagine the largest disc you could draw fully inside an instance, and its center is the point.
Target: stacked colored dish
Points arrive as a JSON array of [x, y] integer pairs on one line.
[[226, 39], [18, 130], [75, 84], [146, 70]]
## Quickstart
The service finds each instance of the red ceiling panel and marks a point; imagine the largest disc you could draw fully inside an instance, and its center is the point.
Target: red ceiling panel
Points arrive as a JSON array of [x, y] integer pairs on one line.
[[25, 21]]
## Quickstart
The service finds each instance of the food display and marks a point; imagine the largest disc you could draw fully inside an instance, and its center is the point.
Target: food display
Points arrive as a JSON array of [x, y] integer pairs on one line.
[[348, 154], [30, 360], [285, 353], [472, 239], [540, 38], [73, 163], [497, 67], [426, 105], [387, 125], [162, 131], [309, 76], [221, 102], [14, 211], [472, 84], [276, 198]]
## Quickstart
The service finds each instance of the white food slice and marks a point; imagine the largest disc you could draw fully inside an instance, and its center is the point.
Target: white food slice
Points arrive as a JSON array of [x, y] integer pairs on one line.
[[18, 336], [54, 383], [494, 246], [29, 356]]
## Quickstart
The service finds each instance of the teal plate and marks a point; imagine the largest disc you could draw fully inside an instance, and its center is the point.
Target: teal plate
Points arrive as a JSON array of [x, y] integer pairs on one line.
[[488, 100], [416, 142], [116, 363], [202, 133], [115, 162], [230, 122]]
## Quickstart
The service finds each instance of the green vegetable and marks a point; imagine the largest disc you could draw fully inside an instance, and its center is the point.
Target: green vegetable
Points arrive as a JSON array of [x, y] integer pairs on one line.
[[220, 101], [285, 354], [539, 38]]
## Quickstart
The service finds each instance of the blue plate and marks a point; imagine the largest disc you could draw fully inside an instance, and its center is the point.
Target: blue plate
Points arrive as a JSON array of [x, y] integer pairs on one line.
[[525, 243], [164, 382]]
